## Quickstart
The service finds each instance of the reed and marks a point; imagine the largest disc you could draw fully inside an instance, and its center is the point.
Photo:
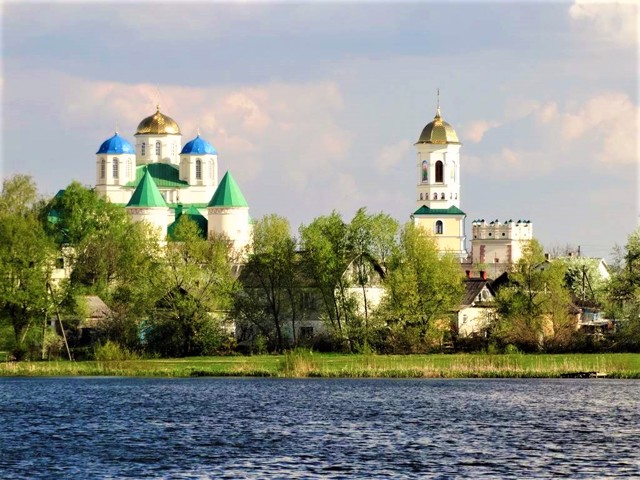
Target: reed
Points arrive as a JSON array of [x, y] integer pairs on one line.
[[304, 363]]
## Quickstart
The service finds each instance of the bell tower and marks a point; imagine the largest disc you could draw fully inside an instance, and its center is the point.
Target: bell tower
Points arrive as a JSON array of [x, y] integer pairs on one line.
[[438, 185]]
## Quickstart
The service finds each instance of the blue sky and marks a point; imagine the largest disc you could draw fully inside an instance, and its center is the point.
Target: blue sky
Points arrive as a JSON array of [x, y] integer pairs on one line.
[[316, 106]]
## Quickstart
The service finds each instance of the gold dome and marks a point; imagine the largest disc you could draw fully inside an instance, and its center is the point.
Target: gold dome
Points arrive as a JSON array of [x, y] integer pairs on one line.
[[158, 124], [438, 131]]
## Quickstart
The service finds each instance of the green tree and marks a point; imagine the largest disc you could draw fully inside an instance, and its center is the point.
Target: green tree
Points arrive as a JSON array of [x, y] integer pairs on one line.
[[534, 310], [270, 299], [371, 239], [422, 289], [110, 256], [26, 259], [325, 246], [623, 292], [195, 285]]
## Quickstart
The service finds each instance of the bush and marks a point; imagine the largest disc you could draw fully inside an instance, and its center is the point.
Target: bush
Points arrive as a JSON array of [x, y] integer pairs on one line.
[[112, 352]]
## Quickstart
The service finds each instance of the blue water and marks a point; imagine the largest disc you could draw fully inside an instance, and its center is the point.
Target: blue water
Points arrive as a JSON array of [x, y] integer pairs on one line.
[[257, 428]]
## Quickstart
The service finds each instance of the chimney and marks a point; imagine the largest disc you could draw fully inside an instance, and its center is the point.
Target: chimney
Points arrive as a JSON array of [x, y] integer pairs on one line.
[[468, 272], [483, 274]]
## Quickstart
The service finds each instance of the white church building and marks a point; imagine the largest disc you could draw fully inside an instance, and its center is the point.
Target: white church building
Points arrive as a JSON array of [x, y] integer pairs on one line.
[[160, 179]]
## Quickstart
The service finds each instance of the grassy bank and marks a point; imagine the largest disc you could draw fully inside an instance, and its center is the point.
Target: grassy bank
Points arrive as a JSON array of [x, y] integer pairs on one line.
[[304, 364]]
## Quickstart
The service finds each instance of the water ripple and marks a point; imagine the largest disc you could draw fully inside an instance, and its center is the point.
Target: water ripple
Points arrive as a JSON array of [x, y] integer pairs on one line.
[[335, 429]]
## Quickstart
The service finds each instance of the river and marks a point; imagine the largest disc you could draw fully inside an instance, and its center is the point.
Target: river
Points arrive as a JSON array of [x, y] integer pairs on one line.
[[262, 428]]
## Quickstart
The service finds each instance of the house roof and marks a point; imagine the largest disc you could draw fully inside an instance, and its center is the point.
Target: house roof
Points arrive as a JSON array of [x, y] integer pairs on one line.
[[163, 174], [452, 210], [193, 214], [147, 194], [472, 287], [228, 194]]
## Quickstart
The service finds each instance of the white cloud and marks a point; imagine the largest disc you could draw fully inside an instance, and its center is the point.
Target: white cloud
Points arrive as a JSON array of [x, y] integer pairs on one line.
[[615, 22], [609, 118], [477, 129], [602, 129], [392, 155]]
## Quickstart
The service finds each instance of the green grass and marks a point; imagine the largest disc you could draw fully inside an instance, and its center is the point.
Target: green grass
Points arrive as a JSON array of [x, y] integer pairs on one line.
[[307, 364]]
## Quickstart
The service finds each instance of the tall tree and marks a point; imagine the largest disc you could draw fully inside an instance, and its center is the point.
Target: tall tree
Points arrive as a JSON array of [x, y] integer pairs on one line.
[[327, 255], [271, 296], [534, 309], [624, 293], [110, 256], [422, 287], [195, 285], [26, 259], [371, 239]]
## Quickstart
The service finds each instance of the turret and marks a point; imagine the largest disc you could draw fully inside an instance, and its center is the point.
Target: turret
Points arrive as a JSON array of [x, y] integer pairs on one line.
[[147, 204], [228, 214]]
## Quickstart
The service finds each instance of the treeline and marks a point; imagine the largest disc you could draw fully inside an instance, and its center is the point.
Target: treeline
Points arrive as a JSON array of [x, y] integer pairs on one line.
[[364, 285]]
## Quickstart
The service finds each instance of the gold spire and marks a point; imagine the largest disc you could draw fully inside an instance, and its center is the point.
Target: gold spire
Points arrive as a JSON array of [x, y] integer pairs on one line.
[[198, 131], [438, 116]]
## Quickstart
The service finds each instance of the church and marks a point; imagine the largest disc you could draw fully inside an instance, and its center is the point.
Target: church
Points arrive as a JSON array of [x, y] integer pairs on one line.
[[159, 180], [438, 198]]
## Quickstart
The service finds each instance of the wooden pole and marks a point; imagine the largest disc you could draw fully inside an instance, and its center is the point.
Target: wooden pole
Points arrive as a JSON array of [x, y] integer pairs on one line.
[[64, 335]]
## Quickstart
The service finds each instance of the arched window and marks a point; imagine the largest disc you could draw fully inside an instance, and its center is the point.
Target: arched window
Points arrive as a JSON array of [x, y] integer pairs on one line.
[[435, 196], [157, 148], [456, 196], [103, 167], [442, 196], [439, 227], [143, 149], [198, 169], [425, 171], [439, 172], [116, 168]]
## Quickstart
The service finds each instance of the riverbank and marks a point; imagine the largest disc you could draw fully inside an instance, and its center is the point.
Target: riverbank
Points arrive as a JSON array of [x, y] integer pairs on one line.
[[301, 364]]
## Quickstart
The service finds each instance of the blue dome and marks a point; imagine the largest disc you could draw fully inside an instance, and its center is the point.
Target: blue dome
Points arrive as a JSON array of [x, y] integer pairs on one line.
[[199, 146], [115, 144]]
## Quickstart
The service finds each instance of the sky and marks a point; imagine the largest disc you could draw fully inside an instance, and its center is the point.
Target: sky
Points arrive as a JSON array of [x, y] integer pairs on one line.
[[316, 106]]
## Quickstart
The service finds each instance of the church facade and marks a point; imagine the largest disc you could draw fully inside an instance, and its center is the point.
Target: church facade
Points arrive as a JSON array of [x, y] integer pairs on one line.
[[160, 179]]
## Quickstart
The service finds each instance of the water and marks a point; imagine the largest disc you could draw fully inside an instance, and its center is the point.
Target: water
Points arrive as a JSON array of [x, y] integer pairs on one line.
[[257, 428]]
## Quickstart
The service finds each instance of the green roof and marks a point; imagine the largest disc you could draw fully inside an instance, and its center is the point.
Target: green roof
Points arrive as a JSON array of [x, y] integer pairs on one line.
[[424, 210], [228, 194], [163, 174], [147, 194], [193, 214]]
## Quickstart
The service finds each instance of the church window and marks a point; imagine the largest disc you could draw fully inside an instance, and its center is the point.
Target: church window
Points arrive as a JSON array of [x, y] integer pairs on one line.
[[143, 149], [456, 196], [157, 148], [442, 196], [129, 169], [425, 171], [421, 197], [198, 169], [435, 196], [116, 168], [102, 168], [439, 227], [439, 172]]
